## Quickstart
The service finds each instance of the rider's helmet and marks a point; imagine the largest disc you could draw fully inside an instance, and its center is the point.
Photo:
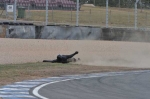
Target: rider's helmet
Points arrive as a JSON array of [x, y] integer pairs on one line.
[[59, 57]]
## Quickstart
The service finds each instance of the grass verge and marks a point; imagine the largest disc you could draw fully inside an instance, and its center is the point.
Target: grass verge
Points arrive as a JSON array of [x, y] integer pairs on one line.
[[19, 72], [122, 17]]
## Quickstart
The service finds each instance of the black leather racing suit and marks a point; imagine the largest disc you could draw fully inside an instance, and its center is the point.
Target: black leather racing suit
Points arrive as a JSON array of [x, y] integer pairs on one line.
[[62, 58]]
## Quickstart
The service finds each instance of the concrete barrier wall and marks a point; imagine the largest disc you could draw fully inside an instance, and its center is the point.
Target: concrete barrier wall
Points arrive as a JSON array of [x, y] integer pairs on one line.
[[94, 33], [126, 34], [75, 33], [23, 32], [71, 33]]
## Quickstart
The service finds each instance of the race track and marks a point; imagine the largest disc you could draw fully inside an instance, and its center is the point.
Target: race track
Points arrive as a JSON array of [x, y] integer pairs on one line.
[[128, 86], [94, 53]]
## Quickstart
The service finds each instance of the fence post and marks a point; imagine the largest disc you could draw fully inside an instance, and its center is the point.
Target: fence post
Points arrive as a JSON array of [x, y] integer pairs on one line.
[[6, 10], [107, 13], [46, 12], [77, 14], [15, 3], [136, 14], [119, 3]]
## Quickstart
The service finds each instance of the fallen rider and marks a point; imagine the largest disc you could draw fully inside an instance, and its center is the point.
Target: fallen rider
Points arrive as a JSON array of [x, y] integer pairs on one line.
[[64, 58]]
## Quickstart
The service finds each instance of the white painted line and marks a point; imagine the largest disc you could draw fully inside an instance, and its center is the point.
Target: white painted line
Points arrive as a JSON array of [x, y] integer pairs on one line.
[[14, 89], [14, 93], [29, 83], [27, 86], [36, 90], [42, 80], [17, 96], [54, 77]]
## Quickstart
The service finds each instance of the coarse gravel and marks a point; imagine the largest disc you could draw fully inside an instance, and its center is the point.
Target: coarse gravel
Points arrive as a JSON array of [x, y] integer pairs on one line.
[[91, 52]]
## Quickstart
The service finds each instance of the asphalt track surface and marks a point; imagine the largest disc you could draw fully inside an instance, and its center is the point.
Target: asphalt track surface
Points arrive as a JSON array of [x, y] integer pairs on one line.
[[128, 86]]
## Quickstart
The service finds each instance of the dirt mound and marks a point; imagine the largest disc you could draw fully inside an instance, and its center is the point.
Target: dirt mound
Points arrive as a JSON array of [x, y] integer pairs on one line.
[[99, 53]]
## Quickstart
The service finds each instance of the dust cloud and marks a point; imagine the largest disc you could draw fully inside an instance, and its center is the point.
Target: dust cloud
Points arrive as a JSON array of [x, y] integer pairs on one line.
[[124, 54]]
